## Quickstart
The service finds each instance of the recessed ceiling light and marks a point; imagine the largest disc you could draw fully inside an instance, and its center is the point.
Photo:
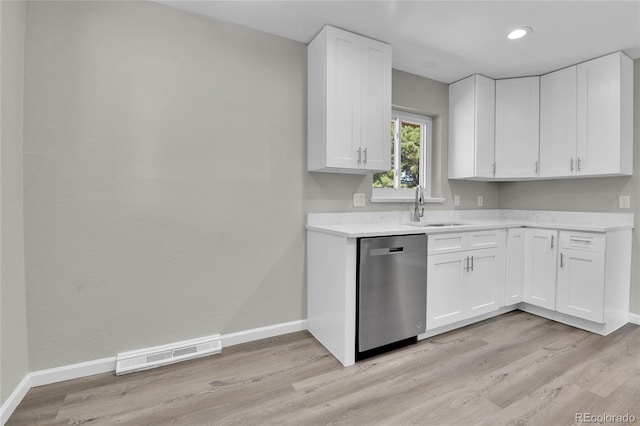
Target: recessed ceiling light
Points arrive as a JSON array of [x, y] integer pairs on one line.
[[519, 33]]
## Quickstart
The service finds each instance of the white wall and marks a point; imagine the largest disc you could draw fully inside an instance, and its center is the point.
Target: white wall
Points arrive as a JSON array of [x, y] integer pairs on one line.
[[13, 326]]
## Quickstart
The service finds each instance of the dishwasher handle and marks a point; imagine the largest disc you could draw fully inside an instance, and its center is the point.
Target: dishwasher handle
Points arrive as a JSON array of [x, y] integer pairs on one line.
[[385, 251]]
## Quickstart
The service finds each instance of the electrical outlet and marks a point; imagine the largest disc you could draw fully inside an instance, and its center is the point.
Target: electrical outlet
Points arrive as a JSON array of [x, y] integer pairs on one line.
[[456, 200], [480, 201], [358, 199], [625, 202]]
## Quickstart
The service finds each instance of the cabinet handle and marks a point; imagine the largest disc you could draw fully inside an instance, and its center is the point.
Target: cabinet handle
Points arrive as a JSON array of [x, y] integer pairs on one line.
[[571, 163], [536, 164], [579, 164], [365, 156], [552, 238], [494, 169], [359, 155], [561, 260], [578, 240], [466, 264], [471, 263]]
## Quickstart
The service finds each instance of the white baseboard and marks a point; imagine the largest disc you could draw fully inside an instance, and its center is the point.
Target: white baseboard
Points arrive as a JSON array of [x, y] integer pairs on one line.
[[634, 318], [262, 332], [14, 399], [72, 371], [106, 365]]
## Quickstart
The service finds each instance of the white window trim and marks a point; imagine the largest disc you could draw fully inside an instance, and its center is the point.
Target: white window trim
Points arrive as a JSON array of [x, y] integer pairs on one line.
[[382, 195]]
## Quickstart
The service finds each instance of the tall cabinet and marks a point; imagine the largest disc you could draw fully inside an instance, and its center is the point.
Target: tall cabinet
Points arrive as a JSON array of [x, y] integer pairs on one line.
[[605, 116], [558, 120], [517, 127], [471, 128], [349, 103]]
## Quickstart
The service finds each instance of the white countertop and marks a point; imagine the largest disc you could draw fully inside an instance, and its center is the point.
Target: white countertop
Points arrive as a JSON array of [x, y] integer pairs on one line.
[[372, 224]]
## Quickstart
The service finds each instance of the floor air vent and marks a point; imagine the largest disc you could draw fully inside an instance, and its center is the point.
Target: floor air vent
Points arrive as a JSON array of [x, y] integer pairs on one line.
[[144, 359]]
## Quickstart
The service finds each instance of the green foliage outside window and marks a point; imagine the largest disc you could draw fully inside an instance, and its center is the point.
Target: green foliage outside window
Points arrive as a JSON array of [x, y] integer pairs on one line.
[[409, 158]]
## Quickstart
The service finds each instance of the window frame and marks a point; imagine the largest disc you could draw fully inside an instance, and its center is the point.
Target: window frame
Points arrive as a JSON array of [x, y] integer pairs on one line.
[[397, 194]]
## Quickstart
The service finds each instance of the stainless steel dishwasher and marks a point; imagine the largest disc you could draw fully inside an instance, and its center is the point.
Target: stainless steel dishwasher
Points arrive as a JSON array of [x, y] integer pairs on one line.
[[391, 293]]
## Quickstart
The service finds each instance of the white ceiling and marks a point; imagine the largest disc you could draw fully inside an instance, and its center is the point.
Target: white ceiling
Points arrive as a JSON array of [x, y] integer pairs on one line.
[[449, 40]]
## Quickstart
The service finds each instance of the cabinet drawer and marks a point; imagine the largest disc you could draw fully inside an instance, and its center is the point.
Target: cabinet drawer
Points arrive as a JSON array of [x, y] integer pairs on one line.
[[582, 241], [446, 243], [483, 239]]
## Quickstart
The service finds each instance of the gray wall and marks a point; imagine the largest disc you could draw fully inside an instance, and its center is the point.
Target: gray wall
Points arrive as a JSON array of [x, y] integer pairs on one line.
[[13, 319], [593, 194], [163, 198], [165, 177]]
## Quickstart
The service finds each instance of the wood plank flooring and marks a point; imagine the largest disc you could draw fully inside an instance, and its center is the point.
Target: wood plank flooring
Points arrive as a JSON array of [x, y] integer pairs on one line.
[[512, 369]]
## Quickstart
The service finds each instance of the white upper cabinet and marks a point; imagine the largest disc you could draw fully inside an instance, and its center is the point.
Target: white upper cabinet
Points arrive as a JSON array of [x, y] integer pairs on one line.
[[605, 116], [517, 127], [558, 123], [349, 103], [471, 128], [585, 119]]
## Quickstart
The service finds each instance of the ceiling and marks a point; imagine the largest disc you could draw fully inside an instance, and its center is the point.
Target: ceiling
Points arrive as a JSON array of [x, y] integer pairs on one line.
[[449, 40]]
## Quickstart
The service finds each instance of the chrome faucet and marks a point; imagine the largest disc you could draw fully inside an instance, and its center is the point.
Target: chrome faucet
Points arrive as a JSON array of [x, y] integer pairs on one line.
[[417, 214]]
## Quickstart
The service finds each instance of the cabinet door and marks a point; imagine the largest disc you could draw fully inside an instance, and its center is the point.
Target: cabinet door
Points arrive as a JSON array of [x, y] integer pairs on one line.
[[343, 93], [485, 109], [376, 105], [445, 289], [462, 129], [541, 250], [485, 281], [514, 279], [471, 127], [599, 116], [558, 123], [581, 284], [517, 127]]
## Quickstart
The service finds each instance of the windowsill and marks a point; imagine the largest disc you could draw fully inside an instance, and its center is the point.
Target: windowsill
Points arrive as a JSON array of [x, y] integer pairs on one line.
[[404, 200]]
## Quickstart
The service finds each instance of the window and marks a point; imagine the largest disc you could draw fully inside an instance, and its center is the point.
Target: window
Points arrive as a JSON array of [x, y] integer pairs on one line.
[[410, 159]]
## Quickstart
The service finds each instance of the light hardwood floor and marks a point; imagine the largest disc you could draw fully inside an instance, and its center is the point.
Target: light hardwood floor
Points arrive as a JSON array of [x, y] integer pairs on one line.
[[513, 369]]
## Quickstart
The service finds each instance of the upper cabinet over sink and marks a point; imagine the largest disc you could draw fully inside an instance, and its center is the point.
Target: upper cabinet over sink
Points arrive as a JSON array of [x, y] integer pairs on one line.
[[349, 103], [585, 115]]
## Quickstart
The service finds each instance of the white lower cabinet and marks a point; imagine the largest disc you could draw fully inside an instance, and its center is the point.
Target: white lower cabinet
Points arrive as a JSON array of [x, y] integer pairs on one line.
[[485, 282], [465, 283], [581, 277], [446, 275], [514, 279], [540, 260]]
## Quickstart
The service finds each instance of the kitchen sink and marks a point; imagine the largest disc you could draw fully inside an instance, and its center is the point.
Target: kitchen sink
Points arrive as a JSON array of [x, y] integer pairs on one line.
[[439, 224]]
